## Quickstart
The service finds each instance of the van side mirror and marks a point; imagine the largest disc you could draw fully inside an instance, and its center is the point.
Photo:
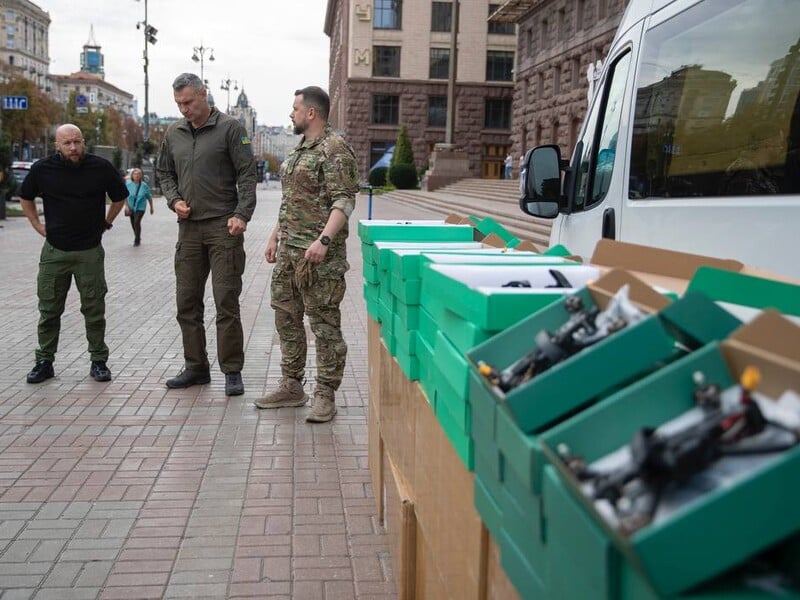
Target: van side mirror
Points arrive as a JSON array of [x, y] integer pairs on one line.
[[540, 182]]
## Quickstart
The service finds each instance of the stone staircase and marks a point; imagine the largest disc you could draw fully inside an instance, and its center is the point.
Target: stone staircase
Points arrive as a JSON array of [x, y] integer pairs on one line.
[[494, 198]]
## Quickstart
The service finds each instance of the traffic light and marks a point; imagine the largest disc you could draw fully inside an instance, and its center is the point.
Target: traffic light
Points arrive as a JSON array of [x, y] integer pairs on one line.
[[150, 33]]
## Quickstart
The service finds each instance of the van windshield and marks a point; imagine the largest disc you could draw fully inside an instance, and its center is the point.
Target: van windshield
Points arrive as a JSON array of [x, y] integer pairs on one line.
[[717, 110]]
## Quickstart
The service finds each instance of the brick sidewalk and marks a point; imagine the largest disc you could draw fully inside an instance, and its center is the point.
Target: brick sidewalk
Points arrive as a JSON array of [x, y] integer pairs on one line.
[[128, 490]]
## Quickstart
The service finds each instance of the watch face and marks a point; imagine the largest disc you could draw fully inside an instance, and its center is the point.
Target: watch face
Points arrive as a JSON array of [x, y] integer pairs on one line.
[[324, 240]]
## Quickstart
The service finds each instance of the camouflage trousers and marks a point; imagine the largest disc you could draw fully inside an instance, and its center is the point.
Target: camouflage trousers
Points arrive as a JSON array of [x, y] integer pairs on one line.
[[300, 288]]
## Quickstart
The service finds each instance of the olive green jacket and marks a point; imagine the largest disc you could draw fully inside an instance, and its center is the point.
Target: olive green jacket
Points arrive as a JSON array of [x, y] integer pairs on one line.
[[211, 168]]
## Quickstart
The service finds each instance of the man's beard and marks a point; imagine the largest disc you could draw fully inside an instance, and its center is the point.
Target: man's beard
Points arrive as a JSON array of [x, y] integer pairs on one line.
[[299, 129], [74, 163]]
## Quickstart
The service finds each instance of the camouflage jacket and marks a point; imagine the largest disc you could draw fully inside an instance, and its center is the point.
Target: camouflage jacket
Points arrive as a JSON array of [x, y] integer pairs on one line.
[[318, 176]]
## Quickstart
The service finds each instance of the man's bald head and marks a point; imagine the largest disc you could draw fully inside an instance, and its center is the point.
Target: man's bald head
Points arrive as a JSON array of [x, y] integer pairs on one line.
[[70, 144]]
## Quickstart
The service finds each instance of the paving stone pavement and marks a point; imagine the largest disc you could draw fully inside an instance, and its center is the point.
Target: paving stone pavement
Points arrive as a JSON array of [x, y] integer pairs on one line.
[[129, 490]]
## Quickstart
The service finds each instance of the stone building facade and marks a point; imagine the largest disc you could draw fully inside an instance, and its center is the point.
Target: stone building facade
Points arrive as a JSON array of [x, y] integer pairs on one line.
[[388, 67], [24, 40], [560, 48]]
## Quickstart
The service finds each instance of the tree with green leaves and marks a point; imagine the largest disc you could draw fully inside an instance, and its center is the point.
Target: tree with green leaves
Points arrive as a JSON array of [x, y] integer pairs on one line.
[[402, 172], [32, 124]]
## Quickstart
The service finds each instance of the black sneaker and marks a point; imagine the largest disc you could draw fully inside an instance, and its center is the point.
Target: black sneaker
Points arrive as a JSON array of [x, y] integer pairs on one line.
[[234, 386], [43, 369], [187, 378], [99, 371]]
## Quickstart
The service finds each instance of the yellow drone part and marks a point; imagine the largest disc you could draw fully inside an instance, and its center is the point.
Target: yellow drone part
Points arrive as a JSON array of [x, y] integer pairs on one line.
[[484, 369], [750, 378]]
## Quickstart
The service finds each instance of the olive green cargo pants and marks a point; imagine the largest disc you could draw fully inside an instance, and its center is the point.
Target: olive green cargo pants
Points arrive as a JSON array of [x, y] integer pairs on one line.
[[56, 270], [206, 246]]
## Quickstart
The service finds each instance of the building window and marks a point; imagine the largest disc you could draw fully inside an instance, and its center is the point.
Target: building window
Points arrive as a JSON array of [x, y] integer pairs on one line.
[[441, 16], [575, 83], [539, 86], [556, 80], [388, 14], [499, 65], [579, 8], [562, 25], [531, 43], [377, 150], [440, 63], [10, 44], [601, 9], [501, 28], [437, 111], [385, 109], [498, 113], [386, 61], [543, 33]]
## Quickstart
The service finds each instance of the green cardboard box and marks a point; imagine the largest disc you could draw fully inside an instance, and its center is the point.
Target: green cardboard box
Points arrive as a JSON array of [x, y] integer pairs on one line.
[[375, 230], [709, 534], [575, 382], [476, 293], [731, 288]]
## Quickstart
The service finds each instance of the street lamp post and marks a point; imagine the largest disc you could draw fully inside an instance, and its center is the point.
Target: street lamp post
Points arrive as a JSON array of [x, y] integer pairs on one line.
[[226, 86], [201, 50], [149, 38]]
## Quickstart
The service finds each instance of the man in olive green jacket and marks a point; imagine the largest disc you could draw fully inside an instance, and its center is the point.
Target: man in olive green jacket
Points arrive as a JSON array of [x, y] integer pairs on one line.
[[208, 176]]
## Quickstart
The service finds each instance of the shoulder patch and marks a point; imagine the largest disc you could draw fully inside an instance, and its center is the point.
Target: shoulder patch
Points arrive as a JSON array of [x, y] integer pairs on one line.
[[245, 140]]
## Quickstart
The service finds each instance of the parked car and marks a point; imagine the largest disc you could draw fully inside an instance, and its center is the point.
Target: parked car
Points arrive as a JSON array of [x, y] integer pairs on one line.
[[19, 170]]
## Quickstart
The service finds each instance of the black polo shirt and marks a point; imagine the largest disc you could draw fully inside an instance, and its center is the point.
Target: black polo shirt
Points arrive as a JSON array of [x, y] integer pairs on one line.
[[74, 198]]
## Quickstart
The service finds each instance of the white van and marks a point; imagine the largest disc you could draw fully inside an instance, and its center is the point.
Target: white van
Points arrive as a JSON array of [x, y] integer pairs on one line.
[[692, 139]]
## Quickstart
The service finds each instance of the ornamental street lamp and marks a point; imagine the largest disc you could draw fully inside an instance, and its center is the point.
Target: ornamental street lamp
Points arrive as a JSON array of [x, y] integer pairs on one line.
[[201, 51], [149, 38], [226, 86]]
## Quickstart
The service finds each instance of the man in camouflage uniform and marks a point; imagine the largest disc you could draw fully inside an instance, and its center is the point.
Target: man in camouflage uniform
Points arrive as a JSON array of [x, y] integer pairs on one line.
[[308, 247]]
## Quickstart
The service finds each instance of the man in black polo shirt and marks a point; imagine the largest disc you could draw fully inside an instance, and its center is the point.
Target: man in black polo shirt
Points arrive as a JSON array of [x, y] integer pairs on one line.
[[73, 186]]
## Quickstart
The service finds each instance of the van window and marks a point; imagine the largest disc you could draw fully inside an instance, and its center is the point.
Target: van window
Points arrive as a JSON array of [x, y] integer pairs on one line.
[[717, 103], [597, 159]]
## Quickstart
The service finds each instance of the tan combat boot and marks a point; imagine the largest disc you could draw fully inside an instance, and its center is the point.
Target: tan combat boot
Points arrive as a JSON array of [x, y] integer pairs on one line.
[[324, 406], [288, 393]]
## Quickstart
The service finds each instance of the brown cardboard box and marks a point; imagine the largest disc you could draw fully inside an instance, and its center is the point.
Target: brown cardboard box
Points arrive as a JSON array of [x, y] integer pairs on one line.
[[772, 343], [374, 440], [656, 266], [401, 526], [498, 586], [445, 509], [397, 423]]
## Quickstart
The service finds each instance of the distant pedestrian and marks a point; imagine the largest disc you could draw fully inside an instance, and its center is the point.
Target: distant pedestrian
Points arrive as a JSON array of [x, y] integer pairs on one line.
[[308, 246], [508, 165], [73, 186], [208, 176], [138, 197]]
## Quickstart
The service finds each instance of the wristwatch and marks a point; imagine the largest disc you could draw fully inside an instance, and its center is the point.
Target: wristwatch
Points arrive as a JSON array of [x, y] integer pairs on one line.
[[325, 240]]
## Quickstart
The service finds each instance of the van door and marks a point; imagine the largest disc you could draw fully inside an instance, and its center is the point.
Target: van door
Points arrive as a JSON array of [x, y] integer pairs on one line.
[[714, 165], [598, 163]]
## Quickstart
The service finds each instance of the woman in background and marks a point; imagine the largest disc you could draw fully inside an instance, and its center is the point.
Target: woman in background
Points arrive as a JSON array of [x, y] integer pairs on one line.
[[138, 197]]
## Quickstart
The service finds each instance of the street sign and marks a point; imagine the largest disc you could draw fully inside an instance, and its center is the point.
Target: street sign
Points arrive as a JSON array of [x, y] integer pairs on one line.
[[81, 109], [81, 100], [15, 103]]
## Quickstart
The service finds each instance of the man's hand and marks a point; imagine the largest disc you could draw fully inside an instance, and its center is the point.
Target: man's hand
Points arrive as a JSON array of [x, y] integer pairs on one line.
[[40, 229], [236, 226], [182, 209], [271, 251], [316, 252], [151, 210]]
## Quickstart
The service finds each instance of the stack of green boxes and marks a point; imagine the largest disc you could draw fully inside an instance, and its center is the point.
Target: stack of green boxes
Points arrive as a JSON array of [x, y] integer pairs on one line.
[[379, 299], [551, 544], [467, 303]]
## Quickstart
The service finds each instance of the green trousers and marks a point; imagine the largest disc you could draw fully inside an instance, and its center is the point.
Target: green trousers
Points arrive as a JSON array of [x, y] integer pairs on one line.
[[206, 247], [56, 270]]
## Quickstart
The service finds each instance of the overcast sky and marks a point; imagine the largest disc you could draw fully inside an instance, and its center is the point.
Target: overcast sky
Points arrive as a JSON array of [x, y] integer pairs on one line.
[[271, 47]]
